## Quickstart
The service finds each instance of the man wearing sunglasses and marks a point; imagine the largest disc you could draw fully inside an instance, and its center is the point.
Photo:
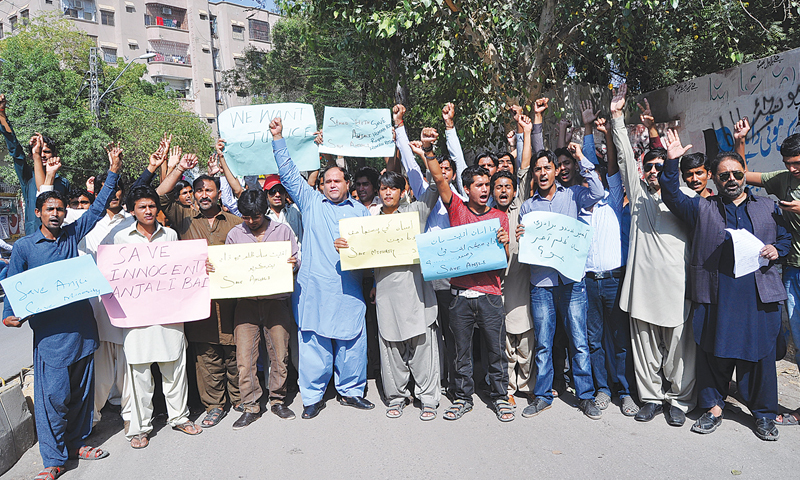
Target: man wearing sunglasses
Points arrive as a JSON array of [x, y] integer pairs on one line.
[[653, 292], [280, 209], [736, 317]]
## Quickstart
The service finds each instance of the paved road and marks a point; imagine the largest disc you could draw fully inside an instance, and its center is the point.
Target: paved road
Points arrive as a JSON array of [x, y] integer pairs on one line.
[[16, 349], [347, 443]]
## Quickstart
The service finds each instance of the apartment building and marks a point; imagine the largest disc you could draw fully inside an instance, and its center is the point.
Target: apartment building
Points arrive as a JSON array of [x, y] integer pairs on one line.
[[193, 40]]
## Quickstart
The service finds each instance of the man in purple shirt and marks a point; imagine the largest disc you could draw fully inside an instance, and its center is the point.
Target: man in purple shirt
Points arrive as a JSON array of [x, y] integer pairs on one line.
[[271, 313]]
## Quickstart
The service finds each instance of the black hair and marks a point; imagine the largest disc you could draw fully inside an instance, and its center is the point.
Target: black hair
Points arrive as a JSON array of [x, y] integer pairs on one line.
[[44, 197], [563, 152], [100, 180], [510, 157], [691, 161], [503, 174], [180, 185], [488, 155], [450, 162], [76, 192], [654, 154], [791, 146], [325, 170], [140, 192], [202, 178], [253, 203], [371, 174], [393, 180], [550, 156], [714, 163], [468, 175]]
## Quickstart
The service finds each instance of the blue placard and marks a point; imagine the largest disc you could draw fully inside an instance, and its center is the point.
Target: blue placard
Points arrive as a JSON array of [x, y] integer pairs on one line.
[[557, 241], [248, 142], [462, 250], [357, 132], [54, 285]]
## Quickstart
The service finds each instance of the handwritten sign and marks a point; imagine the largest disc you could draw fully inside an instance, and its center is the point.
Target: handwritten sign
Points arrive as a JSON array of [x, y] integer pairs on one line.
[[379, 241], [557, 241], [250, 269], [54, 285], [156, 283], [457, 251], [358, 132], [248, 147]]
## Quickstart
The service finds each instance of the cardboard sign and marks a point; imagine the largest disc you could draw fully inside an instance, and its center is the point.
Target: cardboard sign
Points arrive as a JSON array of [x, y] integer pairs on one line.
[[462, 250], [357, 132], [250, 269], [379, 241], [557, 241]]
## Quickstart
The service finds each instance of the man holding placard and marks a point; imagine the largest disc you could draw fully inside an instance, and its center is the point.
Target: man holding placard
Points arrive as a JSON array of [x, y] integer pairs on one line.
[[162, 344], [478, 297], [406, 313], [64, 338], [554, 291], [272, 314], [330, 305], [210, 340]]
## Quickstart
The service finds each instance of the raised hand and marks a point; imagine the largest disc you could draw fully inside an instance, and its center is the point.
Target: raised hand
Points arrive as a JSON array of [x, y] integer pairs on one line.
[[575, 150], [448, 114], [219, 147], [37, 143], [540, 105], [587, 112], [517, 111], [428, 136], [511, 137], [674, 147], [213, 164], [54, 165], [601, 125], [397, 114], [175, 154], [114, 152], [276, 128], [741, 129], [618, 101], [416, 147], [188, 161], [90, 184], [647, 115], [525, 123]]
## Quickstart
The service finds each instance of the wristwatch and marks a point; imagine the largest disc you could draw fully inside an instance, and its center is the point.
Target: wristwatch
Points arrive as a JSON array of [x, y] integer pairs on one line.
[[427, 149]]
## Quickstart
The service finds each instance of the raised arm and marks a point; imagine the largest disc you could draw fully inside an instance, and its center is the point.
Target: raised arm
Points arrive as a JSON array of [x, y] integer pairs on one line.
[[678, 202], [415, 177], [650, 124], [587, 196], [627, 160], [235, 186], [187, 162], [37, 143], [89, 219], [453, 144], [588, 115], [429, 135], [740, 131], [563, 132], [602, 126], [295, 184]]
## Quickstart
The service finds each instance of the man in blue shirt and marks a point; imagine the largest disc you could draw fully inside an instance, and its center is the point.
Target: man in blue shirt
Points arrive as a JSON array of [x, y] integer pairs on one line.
[[64, 339], [42, 149], [551, 292], [329, 305]]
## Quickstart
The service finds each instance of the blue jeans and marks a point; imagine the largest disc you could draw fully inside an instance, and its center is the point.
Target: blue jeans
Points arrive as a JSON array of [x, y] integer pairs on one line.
[[791, 280], [609, 336], [570, 302]]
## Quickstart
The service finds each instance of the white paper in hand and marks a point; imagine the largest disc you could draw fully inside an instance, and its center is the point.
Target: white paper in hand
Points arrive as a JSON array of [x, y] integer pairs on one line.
[[746, 252]]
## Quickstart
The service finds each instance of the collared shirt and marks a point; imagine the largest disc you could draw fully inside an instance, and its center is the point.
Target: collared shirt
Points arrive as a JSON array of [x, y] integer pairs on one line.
[[190, 224], [375, 205], [275, 232], [786, 187], [103, 232], [329, 301], [154, 343], [66, 334], [606, 252], [566, 201], [290, 215]]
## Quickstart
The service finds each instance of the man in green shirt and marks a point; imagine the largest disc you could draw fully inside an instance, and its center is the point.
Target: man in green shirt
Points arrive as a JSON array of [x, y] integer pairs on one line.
[[785, 184]]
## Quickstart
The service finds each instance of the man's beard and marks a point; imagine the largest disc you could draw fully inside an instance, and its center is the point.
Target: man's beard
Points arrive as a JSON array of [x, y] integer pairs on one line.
[[732, 194]]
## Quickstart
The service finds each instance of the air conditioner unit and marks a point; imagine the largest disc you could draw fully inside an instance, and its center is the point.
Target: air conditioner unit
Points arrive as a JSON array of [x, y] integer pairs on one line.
[[166, 10], [78, 4]]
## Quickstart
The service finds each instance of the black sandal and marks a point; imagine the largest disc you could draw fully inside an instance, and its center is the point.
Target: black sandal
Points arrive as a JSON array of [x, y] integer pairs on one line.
[[213, 417], [457, 409], [502, 408]]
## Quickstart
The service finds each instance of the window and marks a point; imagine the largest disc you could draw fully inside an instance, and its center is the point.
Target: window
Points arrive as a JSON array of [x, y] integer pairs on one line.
[[130, 8], [170, 52], [1, 30], [238, 32], [107, 18], [162, 15], [109, 54], [259, 30], [25, 16], [238, 61], [80, 9], [203, 16], [210, 120], [215, 58], [49, 2], [133, 46], [13, 22], [214, 26]]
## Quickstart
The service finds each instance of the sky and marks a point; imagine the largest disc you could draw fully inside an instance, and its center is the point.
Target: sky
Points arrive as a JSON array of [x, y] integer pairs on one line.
[[270, 4]]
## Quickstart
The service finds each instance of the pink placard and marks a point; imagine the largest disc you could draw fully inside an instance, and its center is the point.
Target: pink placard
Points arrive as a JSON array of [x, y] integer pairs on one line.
[[156, 283]]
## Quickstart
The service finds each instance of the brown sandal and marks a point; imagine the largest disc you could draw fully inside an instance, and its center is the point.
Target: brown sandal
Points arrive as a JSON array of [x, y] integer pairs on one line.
[[140, 441], [189, 428], [90, 453]]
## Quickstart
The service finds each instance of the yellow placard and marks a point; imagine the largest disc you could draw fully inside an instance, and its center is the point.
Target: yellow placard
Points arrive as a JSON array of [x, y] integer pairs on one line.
[[250, 269], [379, 241]]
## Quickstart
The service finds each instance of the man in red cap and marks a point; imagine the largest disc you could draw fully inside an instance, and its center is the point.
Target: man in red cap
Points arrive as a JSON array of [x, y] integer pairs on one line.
[[279, 209]]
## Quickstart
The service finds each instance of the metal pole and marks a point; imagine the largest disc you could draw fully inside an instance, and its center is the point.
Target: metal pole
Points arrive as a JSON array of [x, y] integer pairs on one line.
[[94, 87]]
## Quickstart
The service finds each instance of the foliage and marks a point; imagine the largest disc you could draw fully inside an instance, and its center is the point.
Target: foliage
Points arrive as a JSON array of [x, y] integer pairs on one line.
[[44, 77]]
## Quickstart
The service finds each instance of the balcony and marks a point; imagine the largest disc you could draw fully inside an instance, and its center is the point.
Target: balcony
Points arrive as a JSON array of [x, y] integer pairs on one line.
[[160, 15]]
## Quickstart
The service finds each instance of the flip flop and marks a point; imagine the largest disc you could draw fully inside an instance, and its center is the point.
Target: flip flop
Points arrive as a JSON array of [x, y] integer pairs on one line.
[[140, 441]]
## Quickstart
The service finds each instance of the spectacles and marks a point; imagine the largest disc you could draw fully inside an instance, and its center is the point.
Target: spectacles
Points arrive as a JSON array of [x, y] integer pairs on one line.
[[276, 189], [737, 174], [651, 165]]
